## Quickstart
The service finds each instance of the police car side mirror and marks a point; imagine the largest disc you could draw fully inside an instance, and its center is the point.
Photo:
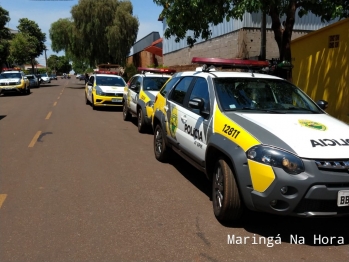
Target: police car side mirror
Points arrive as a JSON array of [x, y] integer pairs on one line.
[[322, 104]]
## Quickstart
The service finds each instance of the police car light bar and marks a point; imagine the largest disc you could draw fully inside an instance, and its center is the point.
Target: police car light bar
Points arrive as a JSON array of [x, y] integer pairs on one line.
[[234, 63], [107, 72], [157, 70]]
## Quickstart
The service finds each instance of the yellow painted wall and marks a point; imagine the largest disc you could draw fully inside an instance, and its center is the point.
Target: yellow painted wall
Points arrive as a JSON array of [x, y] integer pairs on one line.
[[323, 72]]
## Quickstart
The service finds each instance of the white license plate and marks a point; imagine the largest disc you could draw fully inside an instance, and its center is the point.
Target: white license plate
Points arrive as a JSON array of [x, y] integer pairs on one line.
[[343, 198], [117, 100]]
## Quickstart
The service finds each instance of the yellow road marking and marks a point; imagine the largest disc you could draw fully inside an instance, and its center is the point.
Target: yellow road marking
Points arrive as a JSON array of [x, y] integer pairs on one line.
[[48, 115], [2, 199], [35, 138], [55, 103]]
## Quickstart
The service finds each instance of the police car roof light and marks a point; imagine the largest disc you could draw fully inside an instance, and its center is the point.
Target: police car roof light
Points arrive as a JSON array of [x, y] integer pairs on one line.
[[233, 63], [156, 70], [106, 72]]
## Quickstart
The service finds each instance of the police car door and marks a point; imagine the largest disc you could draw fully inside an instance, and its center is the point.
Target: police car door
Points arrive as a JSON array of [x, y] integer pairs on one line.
[[176, 113], [196, 119], [89, 88], [133, 92]]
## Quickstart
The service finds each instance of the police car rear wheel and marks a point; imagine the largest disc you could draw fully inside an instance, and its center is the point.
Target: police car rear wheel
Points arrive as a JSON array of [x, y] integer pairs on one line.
[[125, 114], [93, 103], [141, 124], [86, 100], [161, 151], [227, 205]]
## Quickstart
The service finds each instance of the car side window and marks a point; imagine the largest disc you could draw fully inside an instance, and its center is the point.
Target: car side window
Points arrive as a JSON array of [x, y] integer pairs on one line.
[[135, 84], [168, 86], [200, 90], [92, 79], [179, 92]]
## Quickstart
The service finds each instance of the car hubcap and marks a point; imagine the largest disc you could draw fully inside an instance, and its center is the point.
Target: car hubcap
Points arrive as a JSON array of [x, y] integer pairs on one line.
[[158, 141], [218, 187], [125, 110]]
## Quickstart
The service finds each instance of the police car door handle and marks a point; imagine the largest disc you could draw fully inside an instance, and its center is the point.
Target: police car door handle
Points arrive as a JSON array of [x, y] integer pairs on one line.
[[184, 119]]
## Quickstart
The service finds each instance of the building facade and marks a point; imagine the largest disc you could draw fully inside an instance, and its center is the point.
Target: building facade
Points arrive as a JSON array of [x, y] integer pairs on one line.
[[234, 39], [321, 66]]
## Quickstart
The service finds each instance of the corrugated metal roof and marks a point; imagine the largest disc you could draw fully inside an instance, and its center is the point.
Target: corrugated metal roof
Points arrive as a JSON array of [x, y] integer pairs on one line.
[[250, 20], [145, 42]]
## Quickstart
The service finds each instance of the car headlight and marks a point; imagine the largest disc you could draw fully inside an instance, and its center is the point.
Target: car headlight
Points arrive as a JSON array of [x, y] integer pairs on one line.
[[99, 91], [276, 158]]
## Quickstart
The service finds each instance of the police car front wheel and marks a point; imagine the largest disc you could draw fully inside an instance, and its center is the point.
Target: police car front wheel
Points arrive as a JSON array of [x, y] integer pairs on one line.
[[227, 205], [161, 151], [141, 122]]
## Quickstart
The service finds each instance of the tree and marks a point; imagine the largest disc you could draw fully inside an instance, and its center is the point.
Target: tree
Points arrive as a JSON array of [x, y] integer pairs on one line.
[[28, 43], [98, 32], [179, 16], [5, 36], [59, 64]]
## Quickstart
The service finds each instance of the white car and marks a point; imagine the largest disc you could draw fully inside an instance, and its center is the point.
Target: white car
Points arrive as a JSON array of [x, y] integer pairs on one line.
[[104, 88], [44, 78], [264, 144]]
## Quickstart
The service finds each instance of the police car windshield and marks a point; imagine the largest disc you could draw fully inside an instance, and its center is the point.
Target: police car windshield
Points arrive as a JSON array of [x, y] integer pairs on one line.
[[235, 94], [10, 75], [154, 83], [110, 81]]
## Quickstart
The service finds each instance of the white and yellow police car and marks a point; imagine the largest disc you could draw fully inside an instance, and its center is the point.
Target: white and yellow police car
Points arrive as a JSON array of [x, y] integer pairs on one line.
[[104, 88], [263, 143], [14, 80], [140, 94]]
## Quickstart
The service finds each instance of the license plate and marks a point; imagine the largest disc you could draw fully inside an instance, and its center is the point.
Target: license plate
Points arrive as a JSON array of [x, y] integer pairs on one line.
[[117, 100], [343, 198]]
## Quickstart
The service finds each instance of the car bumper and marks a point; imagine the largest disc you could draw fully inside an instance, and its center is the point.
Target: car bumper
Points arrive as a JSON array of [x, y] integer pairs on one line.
[[311, 193], [11, 89], [107, 100]]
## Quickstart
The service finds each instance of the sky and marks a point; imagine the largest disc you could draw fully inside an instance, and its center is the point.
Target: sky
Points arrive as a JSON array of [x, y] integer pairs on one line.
[[45, 12]]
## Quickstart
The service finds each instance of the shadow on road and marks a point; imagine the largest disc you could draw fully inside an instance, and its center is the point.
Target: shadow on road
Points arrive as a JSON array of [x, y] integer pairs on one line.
[[1, 117]]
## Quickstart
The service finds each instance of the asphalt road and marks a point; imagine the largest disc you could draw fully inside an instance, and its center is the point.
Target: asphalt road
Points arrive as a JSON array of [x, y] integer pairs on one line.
[[83, 185]]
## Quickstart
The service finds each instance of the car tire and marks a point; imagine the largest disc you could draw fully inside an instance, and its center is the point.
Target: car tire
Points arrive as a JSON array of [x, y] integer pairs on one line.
[[93, 103], [161, 150], [140, 121], [28, 90], [125, 114], [86, 100], [227, 204]]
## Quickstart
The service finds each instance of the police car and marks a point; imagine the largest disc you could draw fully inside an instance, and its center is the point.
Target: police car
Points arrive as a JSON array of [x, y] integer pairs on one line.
[[140, 94], [264, 144], [104, 88], [13, 80]]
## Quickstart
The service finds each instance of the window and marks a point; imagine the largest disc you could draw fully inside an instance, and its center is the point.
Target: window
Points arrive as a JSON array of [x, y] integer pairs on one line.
[[154, 83], [179, 92], [168, 86], [135, 84], [200, 90], [333, 41]]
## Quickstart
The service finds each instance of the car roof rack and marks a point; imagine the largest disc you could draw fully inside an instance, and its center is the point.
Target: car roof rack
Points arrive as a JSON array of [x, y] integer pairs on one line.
[[210, 63], [143, 70]]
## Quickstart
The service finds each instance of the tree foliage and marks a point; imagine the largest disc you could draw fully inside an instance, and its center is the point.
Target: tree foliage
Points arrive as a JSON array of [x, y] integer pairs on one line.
[[99, 32], [59, 64], [5, 36], [179, 16], [28, 43]]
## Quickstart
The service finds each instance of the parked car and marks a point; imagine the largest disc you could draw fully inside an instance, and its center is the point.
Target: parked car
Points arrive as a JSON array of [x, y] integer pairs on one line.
[[140, 95], [53, 77], [82, 77], [13, 80], [45, 78], [33, 81], [78, 76], [264, 144]]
